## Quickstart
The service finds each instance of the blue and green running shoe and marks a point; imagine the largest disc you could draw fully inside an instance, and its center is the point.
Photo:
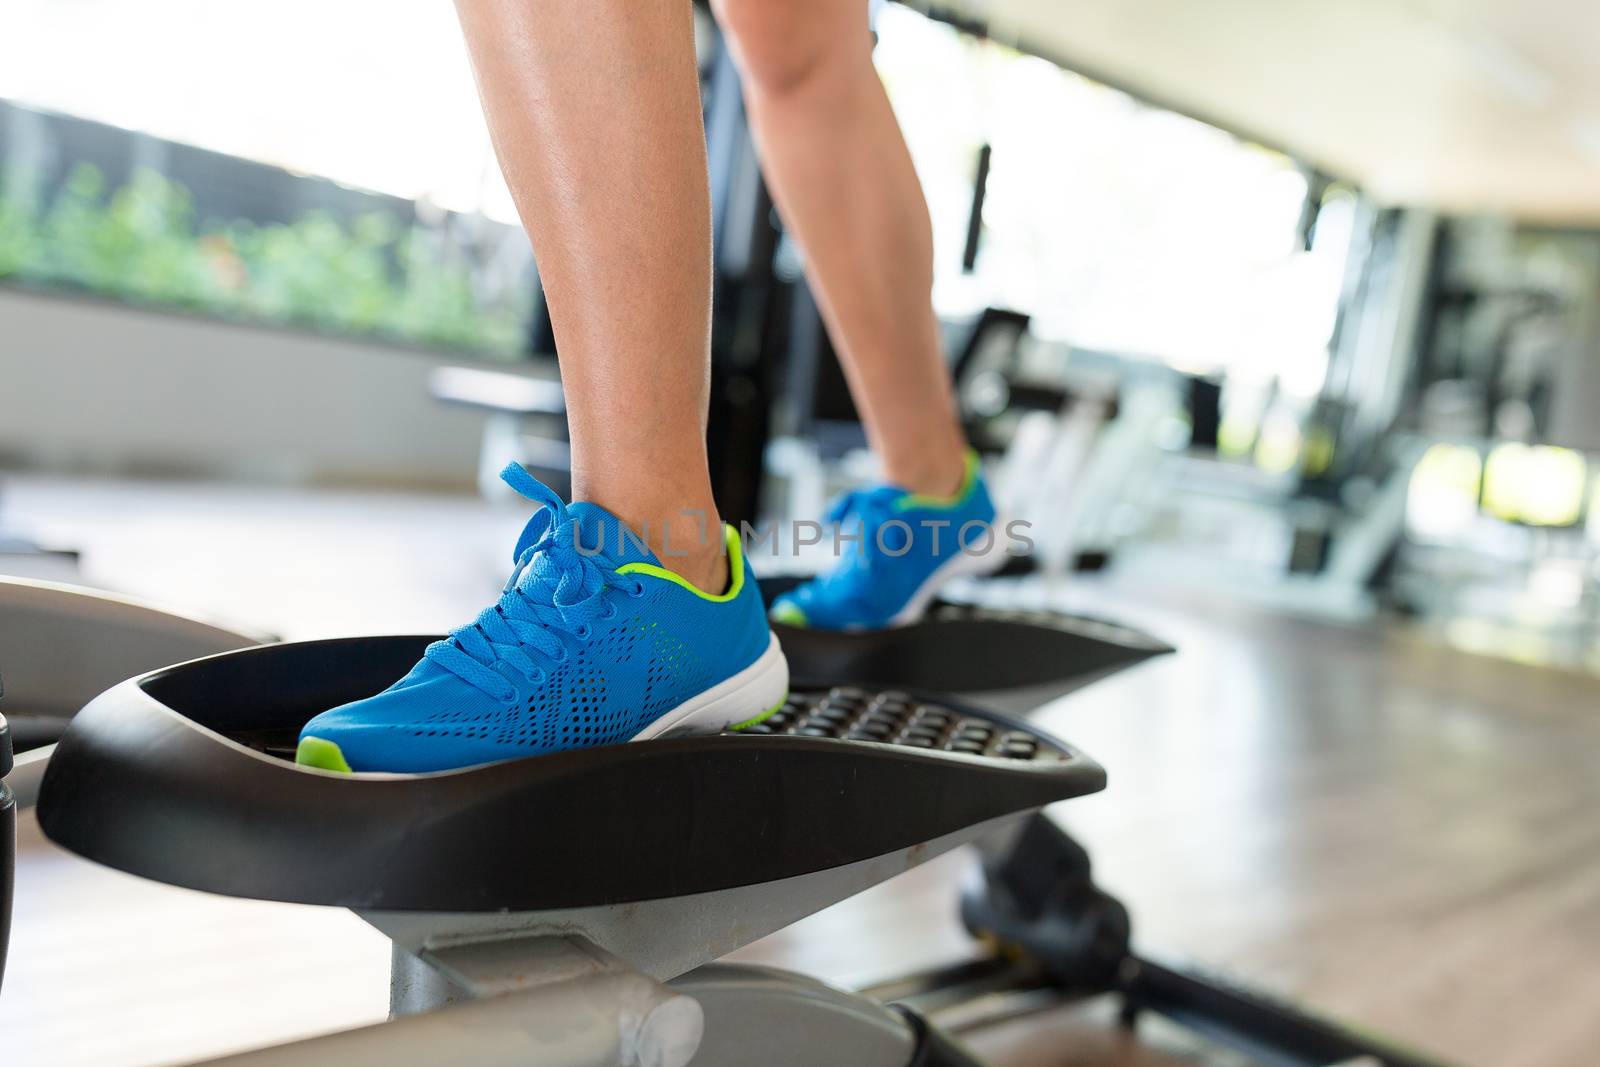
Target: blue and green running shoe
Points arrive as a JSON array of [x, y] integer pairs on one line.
[[592, 642], [900, 550]]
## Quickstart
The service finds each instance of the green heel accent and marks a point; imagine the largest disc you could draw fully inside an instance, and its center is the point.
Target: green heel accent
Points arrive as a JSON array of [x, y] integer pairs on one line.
[[971, 470], [731, 545], [788, 613], [324, 755], [763, 717]]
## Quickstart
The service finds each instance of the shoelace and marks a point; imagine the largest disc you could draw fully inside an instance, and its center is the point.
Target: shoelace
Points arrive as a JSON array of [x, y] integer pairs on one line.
[[871, 504], [872, 507], [554, 596]]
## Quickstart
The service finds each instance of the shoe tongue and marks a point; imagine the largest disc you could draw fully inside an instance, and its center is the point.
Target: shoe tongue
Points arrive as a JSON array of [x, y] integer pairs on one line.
[[601, 534]]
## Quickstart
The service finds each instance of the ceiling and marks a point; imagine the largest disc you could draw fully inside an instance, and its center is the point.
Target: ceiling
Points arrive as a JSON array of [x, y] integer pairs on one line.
[[1465, 105]]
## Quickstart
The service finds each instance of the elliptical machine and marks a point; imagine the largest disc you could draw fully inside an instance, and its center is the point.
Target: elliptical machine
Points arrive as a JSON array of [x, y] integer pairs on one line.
[[565, 954], [560, 951]]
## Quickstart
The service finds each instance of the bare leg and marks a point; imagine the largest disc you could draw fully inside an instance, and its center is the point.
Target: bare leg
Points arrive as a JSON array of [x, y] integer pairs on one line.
[[594, 109], [838, 167]]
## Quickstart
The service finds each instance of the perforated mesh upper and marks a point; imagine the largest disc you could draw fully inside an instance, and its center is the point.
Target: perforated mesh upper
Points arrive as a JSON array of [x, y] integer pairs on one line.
[[902, 543]]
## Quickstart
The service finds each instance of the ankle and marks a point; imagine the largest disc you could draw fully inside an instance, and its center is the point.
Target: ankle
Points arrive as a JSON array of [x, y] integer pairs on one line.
[[940, 475], [704, 566], [688, 543], [678, 523]]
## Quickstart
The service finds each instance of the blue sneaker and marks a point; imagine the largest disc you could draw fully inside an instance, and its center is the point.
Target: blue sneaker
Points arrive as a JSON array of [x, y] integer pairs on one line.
[[592, 642], [909, 547]]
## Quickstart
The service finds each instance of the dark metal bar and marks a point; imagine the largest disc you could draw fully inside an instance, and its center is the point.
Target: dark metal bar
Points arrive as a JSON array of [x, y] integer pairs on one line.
[[1273, 1032], [980, 191], [931, 990]]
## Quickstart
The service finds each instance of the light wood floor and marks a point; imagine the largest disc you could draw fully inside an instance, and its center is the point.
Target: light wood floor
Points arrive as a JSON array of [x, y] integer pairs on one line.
[[1404, 835]]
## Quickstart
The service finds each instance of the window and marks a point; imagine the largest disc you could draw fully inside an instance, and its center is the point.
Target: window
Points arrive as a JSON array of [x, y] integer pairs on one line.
[[297, 163], [1118, 226]]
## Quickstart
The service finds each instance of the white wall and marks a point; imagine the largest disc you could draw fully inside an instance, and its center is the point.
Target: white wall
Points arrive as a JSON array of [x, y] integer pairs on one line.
[[91, 386]]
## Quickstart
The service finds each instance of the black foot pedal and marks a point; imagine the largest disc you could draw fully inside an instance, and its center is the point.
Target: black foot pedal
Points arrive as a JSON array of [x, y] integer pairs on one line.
[[196, 753], [964, 648], [1039, 897]]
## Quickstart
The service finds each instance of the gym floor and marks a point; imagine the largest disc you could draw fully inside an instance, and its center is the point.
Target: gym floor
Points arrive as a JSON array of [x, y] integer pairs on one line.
[[1397, 833]]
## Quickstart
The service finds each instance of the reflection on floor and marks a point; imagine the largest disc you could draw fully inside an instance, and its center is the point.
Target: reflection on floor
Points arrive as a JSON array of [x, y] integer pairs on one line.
[[1401, 834]]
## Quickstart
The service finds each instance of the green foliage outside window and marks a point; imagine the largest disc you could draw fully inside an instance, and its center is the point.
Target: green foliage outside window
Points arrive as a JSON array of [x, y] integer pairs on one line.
[[141, 242]]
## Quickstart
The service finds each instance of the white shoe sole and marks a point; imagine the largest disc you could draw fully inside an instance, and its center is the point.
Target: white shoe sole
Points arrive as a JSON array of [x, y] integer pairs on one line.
[[748, 695], [961, 565]]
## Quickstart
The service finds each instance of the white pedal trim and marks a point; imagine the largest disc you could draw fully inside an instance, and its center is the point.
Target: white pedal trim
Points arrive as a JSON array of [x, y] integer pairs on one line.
[[740, 698]]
